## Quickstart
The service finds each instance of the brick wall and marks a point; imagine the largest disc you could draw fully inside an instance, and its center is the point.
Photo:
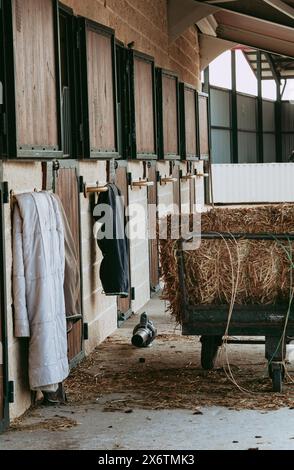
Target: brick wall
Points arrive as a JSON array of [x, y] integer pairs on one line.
[[144, 22]]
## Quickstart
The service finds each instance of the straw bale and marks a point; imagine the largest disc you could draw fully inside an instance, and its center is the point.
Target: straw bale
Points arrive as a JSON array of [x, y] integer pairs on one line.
[[262, 270]]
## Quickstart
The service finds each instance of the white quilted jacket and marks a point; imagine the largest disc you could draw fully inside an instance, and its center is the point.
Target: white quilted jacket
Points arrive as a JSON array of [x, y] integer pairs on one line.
[[38, 277]]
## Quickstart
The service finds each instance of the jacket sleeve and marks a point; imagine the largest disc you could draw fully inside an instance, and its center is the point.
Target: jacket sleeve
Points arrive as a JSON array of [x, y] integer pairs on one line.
[[21, 320]]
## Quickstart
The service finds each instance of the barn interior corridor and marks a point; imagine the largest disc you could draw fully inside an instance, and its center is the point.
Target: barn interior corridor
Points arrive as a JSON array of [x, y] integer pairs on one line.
[[122, 397]]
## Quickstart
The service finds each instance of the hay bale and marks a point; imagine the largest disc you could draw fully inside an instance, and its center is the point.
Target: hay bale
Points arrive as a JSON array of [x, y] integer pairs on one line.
[[262, 267]]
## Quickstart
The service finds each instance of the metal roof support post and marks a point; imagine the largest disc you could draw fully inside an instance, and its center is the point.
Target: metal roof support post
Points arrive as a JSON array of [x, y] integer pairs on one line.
[[206, 81], [260, 156], [234, 110], [278, 122]]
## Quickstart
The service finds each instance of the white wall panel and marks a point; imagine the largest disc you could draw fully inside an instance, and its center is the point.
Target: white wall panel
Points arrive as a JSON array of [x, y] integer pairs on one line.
[[257, 183]]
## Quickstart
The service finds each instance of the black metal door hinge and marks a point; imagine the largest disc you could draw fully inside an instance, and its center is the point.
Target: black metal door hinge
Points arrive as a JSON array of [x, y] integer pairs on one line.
[[3, 123], [56, 165], [5, 194], [81, 132], [11, 391], [81, 184], [133, 293], [86, 331]]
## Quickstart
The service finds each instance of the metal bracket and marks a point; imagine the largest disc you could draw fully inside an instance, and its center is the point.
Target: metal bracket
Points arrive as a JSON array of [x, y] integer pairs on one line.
[[81, 184], [4, 123], [122, 317], [11, 391], [86, 331]]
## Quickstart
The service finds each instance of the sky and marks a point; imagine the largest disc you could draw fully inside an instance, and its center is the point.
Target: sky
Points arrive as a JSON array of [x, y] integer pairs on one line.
[[220, 75]]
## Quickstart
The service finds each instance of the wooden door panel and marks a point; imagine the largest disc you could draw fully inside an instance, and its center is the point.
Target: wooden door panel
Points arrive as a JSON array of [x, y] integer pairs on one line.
[[100, 90], [170, 114], [153, 243], [35, 73], [144, 106], [123, 304], [66, 188], [177, 188], [4, 406]]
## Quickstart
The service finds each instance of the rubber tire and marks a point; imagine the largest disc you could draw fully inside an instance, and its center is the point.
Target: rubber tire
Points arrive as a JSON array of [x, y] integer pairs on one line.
[[209, 350], [270, 371], [277, 379]]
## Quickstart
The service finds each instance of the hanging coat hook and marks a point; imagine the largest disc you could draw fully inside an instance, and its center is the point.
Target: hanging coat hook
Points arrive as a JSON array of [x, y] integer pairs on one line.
[[141, 183], [94, 189]]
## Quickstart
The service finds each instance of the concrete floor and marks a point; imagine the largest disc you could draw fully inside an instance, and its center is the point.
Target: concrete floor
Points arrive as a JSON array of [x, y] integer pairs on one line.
[[87, 426], [217, 428]]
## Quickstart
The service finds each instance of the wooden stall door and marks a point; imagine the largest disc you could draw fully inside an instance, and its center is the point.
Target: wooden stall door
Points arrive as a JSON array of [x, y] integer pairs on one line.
[[36, 81], [123, 305], [4, 417], [66, 187], [170, 115], [153, 243], [144, 106], [190, 122]]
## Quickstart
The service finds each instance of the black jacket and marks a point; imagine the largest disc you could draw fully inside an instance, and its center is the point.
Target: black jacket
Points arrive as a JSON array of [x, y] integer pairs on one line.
[[114, 270]]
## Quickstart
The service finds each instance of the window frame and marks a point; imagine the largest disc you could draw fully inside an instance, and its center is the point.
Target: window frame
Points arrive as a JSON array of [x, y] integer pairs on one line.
[[160, 73], [16, 150], [204, 156], [225, 128], [241, 130], [184, 154], [84, 24]]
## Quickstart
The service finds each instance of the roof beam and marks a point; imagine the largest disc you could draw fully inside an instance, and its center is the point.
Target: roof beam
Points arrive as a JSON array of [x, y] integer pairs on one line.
[[256, 40], [184, 13], [281, 7], [258, 14], [219, 1], [208, 25]]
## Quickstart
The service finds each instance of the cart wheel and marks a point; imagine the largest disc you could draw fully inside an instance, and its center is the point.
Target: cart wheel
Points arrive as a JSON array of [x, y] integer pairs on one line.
[[270, 369], [209, 350], [277, 373]]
